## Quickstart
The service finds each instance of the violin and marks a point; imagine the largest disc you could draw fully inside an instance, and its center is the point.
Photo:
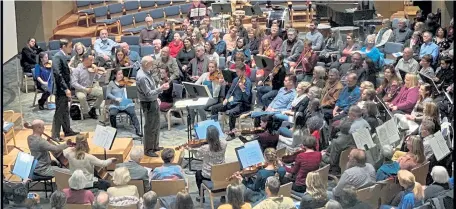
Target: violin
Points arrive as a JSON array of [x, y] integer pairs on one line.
[[247, 172], [59, 154], [291, 157], [192, 143], [216, 75], [256, 130], [274, 72], [126, 82], [48, 64], [96, 69]]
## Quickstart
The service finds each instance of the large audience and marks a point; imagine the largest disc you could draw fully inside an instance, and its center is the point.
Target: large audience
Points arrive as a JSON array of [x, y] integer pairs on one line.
[[339, 81]]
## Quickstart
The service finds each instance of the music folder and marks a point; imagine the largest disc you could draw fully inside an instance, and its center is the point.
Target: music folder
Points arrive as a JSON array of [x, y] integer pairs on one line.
[[132, 92], [250, 154], [195, 90], [24, 165], [228, 76], [201, 128], [263, 62], [221, 8]]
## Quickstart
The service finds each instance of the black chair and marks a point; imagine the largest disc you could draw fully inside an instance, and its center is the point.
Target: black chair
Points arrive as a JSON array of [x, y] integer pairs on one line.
[[36, 179]]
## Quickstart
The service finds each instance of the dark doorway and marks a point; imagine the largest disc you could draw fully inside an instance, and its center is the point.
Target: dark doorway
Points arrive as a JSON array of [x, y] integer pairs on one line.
[[426, 6]]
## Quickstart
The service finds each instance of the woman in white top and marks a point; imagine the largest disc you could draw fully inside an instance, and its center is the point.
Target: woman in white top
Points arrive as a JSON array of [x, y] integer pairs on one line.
[[79, 158]]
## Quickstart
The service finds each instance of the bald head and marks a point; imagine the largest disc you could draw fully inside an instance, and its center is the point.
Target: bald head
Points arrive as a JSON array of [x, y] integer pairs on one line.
[[146, 63], [38, 126], [124, 46], [358, 156]]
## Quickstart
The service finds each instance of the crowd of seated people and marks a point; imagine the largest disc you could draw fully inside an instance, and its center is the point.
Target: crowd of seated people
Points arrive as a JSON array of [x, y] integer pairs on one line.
[[295, 105]]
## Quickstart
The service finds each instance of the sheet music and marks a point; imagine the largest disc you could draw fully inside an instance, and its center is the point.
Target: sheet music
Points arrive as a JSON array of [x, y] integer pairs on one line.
[[23, 165], [362, 137], [197, 12], [388, 133], [250, 154], [104, 136], [439, 146], [191, 103]]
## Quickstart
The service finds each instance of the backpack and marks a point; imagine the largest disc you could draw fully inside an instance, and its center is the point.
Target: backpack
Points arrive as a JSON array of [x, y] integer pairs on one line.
[[443, 201], [75, 112]]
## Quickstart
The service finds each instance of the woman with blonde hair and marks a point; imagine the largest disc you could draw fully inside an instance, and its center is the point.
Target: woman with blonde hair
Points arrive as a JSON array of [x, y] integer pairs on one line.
[[319, 77], [235, 198], [267, 51], [79, 158], [316, 194], [406, 99], [255, 185], [412, 196], [79, 50], [414, 157], [121, 178]]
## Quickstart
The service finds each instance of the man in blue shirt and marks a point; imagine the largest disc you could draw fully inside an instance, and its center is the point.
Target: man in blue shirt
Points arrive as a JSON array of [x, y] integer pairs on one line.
[[238, 99], [282, 101], [219, 43], [428, 47], [348, 96], [104, 48], [133, 56]]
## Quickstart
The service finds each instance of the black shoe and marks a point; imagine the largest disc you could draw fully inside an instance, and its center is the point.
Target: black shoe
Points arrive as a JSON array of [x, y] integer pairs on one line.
[[72, 133], [151, 153], [198, 199], [222, 199], [158, 149], [139, 134], [41, 106], [93, 113]]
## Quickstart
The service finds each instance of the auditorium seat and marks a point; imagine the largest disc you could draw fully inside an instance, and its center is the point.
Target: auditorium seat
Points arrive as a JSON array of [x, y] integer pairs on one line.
[[172, 14], [146, 50], [115, 10], [101, 15], [42, 45], [157, 15], [82, 4], [184, 9], [131, 6], [162, 3], [130, 40], [126, 23], [145, 5], [135, 48], [51, 53], [54, 45], [391, 48]]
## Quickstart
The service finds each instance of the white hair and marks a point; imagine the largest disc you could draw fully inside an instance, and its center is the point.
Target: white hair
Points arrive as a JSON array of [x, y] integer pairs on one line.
[[136, 154], [156, 41], [387, 152], [121, 176], [145, 60], [78, 180], [439, 174]]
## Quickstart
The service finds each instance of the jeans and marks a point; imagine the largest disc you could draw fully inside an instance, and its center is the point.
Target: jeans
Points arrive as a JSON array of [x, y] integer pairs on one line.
[[265, 95], [259, 114], [281, 117], [286, 132]]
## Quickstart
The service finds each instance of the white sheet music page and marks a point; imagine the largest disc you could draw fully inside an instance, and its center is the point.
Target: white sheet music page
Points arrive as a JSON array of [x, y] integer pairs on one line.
[[363, 137], [251, 154], [439, 146], [388, 133], [104, 136]]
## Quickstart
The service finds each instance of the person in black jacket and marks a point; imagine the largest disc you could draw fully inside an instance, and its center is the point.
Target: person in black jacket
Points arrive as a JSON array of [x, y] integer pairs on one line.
[[28, 55], [184, 56], [254, 41], [62, 86], [265, 93]]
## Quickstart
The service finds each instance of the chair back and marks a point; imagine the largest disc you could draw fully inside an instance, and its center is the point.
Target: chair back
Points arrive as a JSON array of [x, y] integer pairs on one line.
[[325, 136], [167, 187], [281, 152], [157, 13], [369, 195], [219, 174], [135, 48], [82, 3], [388, 190], [115, 8], [61, 180], [100, 11], [421, 173], [54, 45], [140, 17], [42, 45], [184, 9], [124, 21], [146, 50], [131, 5], [172, 11], [222, 63], [78, 206], [285, 190], [343, 159], [139, 184], [323, 172]]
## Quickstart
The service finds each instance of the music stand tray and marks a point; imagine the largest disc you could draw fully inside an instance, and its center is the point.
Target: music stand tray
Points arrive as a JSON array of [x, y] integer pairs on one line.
[[221, 8], [384, 106], [227, 76], [196, 90]]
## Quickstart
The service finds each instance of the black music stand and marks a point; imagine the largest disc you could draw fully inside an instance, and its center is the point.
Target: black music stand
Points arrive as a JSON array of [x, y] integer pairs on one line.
[[228, 76], [429, 80], [384, 106], [221, 8], [132, 93]]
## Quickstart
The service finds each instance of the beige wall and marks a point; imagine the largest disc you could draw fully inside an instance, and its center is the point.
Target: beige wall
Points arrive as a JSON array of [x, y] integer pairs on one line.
[[29, 21], [52, 11], [9, 38]]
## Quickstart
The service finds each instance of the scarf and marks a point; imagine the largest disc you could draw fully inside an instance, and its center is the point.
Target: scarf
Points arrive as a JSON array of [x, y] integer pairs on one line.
[[298, 99]]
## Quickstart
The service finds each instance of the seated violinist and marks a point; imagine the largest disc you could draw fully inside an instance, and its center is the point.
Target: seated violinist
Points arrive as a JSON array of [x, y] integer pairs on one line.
[[79, 158], [303, 67], [43, 77], [121, 59], [268, 87], [255, 185], [266, 51], [212, 153], [306, 161], [40, 148], [115, 92], [238, 99], [269, 137], [84, 80], [166, 97]]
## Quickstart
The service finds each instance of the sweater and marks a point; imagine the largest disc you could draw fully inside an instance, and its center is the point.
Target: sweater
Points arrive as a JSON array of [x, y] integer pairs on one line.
[[305, 162], [359, 177], [124, 190], [406, 99], [175, 47], [78, 196]]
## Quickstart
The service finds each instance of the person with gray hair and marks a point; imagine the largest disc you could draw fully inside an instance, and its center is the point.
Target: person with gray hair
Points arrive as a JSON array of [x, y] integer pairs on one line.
[[272, 187], [166, 60], [58, 200], [427, 130], [349, 95], [333, 204], [348, 198], [389, 167], [198, 65], [402, 32], [149, 34], [167, 170], [149, 200], [440, 182], [314, 124], [120, 178], [429, 47], [137, 171], [385, 34], [148, 96], [101, 201], [355, 114], [76, 194], [293, 43]]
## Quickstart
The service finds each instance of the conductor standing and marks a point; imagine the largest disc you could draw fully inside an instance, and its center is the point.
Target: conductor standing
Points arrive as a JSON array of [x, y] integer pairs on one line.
[[148, 92], [62, 91]]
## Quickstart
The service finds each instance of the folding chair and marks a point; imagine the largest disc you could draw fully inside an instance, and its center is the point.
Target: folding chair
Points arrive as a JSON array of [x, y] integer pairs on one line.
[[125, 23], [61, 180], [131, 5], [369, 195], [389, 188], [285, 190], [391, 48], [167, 187]]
